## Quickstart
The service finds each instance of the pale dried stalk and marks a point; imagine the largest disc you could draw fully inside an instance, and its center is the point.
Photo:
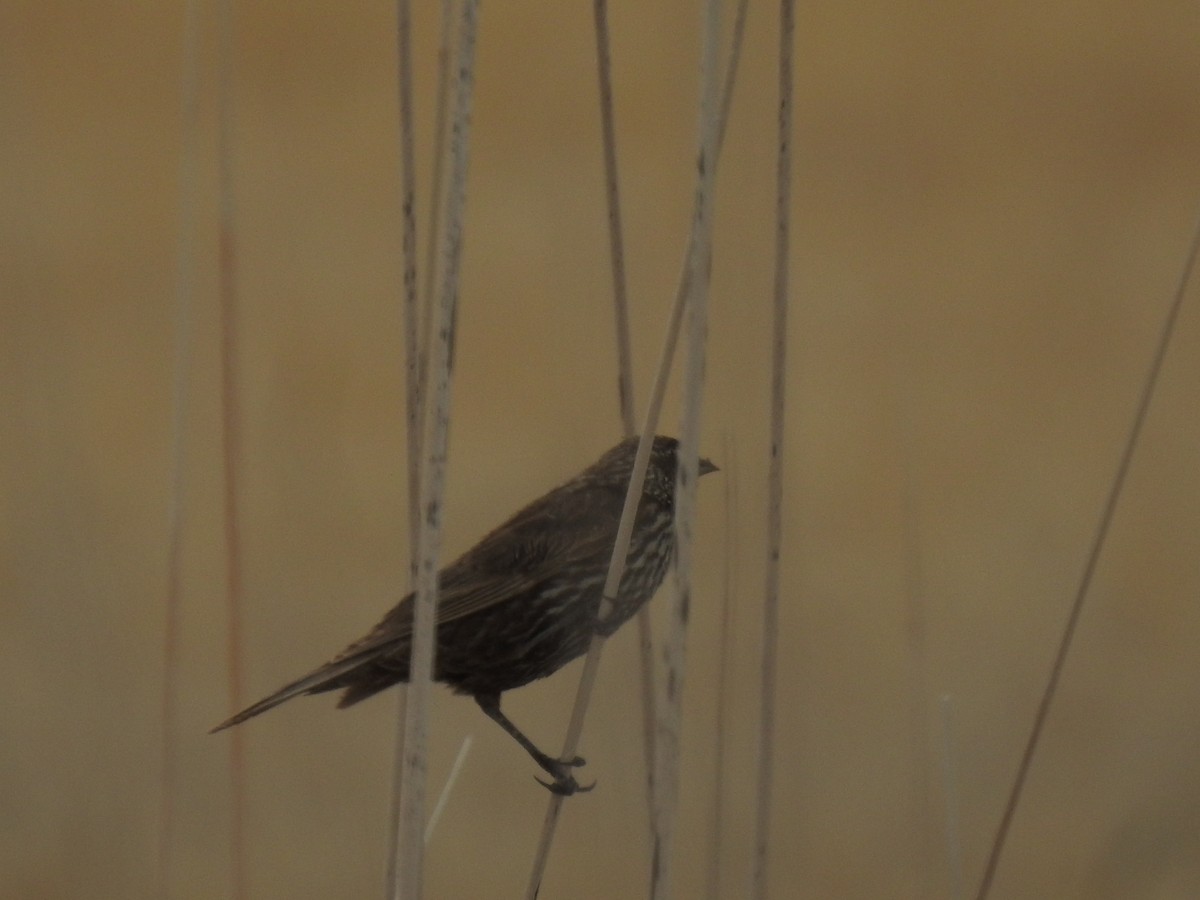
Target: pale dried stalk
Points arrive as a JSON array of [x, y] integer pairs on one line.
[[670, 719], [729, 580], [414, 354], [616, 569], [624, 354], [429, 290], [408, 864], [731, 69], [613, 195], [621, 546], [1089, 569], [448, 787], [408, 243], [417, 318], [783, 180]]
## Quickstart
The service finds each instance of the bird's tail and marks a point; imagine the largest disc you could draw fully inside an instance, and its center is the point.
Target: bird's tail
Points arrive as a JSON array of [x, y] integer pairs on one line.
[[327, 678]]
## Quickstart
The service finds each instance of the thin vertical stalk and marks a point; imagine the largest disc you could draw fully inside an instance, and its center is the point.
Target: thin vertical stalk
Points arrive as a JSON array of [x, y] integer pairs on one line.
[[616, 569], [621, 543], [783, 180], [413, 351], [429, 291], [645, 643], [231, 435], [185, 284], [613, 194], [624, 353], [408, 864], [412, 317], [729, 578], [731, 69], [1089, 569], [670, 719]]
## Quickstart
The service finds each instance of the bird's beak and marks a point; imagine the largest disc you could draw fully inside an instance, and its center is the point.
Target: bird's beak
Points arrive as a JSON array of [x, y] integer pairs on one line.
[[706, 466]]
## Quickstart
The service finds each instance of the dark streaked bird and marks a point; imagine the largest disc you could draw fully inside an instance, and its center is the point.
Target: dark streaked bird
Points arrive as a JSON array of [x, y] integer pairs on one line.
[[524, 601]]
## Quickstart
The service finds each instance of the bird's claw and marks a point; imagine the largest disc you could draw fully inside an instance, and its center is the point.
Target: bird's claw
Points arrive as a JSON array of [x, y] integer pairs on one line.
[[564, 785]]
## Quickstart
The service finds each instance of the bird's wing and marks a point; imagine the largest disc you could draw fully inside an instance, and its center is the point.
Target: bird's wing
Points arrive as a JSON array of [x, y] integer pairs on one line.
[[567, 531], [515, 559], [505, 564]]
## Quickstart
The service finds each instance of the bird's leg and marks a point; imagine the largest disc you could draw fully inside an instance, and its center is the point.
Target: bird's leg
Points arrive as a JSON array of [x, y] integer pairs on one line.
[[564, 782]]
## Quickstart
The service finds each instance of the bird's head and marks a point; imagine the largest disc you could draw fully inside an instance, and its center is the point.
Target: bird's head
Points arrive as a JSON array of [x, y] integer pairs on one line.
[[661, 471]]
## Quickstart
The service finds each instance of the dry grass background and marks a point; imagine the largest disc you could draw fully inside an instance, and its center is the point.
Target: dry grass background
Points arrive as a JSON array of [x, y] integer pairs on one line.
[[992, 204]]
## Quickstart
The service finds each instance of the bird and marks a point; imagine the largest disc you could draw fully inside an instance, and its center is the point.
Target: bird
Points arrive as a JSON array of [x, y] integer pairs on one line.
[[525, 600]]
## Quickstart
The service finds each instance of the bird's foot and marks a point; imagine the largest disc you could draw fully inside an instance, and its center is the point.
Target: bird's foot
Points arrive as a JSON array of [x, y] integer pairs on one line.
[[565, 786], [564, 783]]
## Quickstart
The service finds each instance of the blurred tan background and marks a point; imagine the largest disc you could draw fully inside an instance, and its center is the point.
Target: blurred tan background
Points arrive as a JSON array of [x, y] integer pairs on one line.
[[992, 208]]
